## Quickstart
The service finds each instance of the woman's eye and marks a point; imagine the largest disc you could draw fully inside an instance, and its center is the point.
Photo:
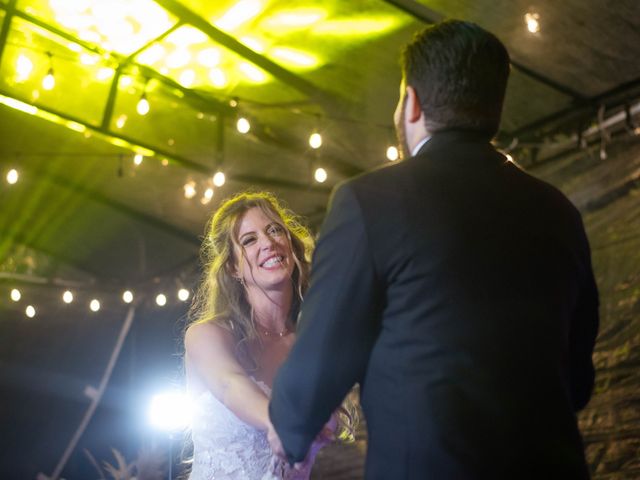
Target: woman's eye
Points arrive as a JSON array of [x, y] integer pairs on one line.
[[246, 241], [275, 230]]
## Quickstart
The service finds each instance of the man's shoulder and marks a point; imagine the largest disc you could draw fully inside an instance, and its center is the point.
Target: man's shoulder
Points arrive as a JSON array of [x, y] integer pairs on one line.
[[380, 176]]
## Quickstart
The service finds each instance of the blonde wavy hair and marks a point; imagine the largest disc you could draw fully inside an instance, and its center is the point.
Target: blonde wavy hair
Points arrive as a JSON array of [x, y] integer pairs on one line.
[[221, 298]]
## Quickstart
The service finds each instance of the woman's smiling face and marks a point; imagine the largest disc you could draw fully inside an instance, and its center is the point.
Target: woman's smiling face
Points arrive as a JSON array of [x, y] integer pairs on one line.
[[264, 259]]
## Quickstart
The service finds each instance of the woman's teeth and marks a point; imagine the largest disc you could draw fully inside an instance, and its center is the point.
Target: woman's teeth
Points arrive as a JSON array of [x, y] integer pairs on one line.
[[273, 261]]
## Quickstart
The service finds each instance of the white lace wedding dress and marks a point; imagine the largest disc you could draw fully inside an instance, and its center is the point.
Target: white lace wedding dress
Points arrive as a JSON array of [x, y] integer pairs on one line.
[[224, 447]]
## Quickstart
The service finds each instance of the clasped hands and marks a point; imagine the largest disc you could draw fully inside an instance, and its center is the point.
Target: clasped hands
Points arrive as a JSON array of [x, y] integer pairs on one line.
[[325, 437]]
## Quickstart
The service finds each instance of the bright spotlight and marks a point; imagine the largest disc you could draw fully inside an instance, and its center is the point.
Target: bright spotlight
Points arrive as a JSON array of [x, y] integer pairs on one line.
[[183, 294], [30, 311], [15, 295], [127, 296], [94, 305], [138, 158], [67, 297], [161, 299], [170, 411], [320, 175]]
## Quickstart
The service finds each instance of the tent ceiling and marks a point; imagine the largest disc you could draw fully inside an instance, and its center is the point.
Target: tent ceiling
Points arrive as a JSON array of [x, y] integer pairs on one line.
[[292, 67]]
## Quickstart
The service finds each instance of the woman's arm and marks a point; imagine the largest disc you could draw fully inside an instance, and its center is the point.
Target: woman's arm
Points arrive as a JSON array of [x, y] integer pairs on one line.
[[209, 353]]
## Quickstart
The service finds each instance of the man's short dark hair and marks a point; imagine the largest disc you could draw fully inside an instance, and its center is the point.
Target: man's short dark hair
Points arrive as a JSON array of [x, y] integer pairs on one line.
[[459, 71]]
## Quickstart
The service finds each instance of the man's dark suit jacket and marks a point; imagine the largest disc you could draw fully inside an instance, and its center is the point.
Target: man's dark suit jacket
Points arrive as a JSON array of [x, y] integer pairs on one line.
[[458, 291]]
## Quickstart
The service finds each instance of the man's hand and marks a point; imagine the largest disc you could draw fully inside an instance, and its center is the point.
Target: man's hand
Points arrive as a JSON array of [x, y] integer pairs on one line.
[[275, 443]]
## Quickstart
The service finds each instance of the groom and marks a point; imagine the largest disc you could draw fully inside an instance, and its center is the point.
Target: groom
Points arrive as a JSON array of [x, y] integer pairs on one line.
[[456, 289]]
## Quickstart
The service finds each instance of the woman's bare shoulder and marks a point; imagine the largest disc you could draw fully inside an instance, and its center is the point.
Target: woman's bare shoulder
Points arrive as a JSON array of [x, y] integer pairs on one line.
[[207, 335]]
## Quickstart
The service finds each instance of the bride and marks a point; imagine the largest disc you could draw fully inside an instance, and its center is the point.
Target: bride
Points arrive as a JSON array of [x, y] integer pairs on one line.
[[244, 321]]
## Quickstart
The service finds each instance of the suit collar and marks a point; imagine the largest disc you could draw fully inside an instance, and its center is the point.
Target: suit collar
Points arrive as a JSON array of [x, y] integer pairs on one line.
[[445, 139]]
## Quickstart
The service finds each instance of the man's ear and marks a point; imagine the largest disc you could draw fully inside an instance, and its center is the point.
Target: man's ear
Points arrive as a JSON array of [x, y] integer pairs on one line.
[[413, 110]]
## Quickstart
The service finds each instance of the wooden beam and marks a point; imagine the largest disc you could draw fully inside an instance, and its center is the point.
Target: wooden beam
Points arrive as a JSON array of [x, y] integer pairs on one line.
[[180, 160], [303, 86]]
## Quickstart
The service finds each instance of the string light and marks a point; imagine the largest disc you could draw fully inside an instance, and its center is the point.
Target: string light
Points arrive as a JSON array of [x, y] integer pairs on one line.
[[509, 158], [315, 140], [67, 297], [15, 295], [30, 311], [121, 120], [161, 299], [24, 66], [532, 21], [127, 296], [190, 190], [243, 125], [94, 305], [219, 179], [320, 175], [137, 159], [183, 294], [143, 104], [392, 153], [49, 81], [208, 195], [12, 176]]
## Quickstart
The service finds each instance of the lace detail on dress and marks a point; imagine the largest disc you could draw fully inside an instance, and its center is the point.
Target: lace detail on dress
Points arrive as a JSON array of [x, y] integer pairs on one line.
[[224, 447]]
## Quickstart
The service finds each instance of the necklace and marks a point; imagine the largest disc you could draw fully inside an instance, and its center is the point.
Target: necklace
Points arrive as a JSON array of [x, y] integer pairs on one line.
[[269, 333]]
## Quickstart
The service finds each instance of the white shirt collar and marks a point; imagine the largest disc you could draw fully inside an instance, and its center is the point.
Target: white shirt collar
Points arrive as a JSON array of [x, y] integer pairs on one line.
[[420, 144]]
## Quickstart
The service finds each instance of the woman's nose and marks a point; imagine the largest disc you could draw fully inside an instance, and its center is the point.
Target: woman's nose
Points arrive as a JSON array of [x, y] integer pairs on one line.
[[266, 242]]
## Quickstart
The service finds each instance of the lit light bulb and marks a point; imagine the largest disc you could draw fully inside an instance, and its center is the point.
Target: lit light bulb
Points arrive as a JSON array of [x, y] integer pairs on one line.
[[315, 140], [161, 299], [49, 81], [94, 305], [189, 190], [532, 21], [509, 158], [24, 66], [104, 73], [219, 179], [12, 176], [67, 297], [137, 159], [243, 125], [208, 195], [183, 294], [15, 295], [143, 105], [392, 153], [320, 175], [122, 119], [30, 311], [218, 77], [187, 78], [125, 81], [127, 296]]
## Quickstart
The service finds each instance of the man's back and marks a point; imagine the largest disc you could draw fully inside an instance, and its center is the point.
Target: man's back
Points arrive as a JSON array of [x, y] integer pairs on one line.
[[481, 267]]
